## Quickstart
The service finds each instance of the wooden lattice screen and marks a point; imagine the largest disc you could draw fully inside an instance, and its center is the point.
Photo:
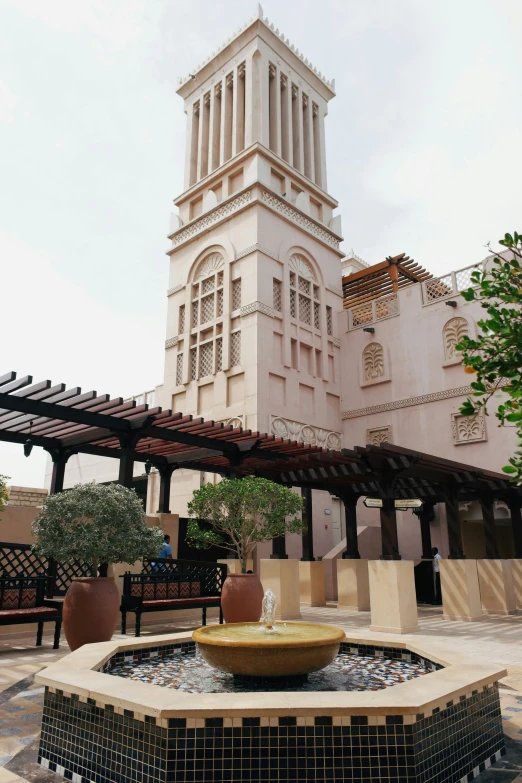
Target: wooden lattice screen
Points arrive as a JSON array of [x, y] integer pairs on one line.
[[20, 560]]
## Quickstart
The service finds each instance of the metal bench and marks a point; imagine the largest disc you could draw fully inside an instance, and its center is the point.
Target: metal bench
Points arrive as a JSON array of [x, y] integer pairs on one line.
[[172, 584], [22, 600]]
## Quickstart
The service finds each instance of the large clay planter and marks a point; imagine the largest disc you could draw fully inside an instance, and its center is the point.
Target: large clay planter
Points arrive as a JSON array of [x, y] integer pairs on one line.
[[90, 611], [241, 598]]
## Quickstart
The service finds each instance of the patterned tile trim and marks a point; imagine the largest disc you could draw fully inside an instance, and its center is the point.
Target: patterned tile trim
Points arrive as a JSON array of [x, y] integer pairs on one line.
[[461, 391]]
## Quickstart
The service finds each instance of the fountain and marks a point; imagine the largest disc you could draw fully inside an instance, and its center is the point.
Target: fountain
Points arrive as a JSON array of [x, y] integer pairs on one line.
[[268, 648]]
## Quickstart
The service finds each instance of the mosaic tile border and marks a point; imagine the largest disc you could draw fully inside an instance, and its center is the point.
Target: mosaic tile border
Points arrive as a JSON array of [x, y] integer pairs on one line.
[[162, 651], [87, 743]]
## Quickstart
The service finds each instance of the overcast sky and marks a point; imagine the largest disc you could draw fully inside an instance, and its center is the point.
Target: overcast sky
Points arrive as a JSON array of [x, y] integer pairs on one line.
[[423, 148]]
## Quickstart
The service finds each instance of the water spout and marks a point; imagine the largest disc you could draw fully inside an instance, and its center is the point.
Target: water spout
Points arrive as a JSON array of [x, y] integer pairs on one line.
[[268, 610]]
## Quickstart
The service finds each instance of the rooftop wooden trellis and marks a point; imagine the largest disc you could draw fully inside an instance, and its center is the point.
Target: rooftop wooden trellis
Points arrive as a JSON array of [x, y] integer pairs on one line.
[[382, 279]]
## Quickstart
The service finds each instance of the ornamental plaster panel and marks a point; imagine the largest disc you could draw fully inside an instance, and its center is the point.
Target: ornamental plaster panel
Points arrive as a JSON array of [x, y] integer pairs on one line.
[[454, 330], [378, 435], [468, 429], [307, 433], [213, 217], [257, 307], [299, 219], [336, 341], [461, 391], [171, 342]]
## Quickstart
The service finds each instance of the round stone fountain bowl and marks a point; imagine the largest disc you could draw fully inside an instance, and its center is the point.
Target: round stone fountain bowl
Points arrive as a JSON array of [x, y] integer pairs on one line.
[[250, 650]]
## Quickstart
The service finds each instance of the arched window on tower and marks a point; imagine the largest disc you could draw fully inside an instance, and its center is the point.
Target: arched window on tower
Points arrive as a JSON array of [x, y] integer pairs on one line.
[[305, 298]]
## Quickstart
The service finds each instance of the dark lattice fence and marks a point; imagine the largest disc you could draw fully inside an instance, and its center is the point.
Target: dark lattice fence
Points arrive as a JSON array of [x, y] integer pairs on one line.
[[19, 560], [210, 575]]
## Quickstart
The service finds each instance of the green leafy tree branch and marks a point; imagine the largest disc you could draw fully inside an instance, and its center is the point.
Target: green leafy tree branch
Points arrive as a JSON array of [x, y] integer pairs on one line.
[[4, 492], [243, 512], [496, 355], [95, 523]]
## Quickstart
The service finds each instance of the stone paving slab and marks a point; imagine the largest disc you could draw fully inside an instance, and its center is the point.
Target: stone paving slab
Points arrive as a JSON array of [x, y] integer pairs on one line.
[[497, 639]]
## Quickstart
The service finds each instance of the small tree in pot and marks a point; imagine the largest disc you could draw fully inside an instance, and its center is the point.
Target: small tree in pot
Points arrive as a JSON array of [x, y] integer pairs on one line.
[[96, 524], [243, 512]]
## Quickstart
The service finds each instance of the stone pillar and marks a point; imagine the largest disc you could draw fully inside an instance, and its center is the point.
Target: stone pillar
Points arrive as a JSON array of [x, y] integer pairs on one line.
[[393, 601], [516, 570], [169, 523], [353, 585], [460, 590], [496, 586], [311, 582], [165, 472], [282, 578]]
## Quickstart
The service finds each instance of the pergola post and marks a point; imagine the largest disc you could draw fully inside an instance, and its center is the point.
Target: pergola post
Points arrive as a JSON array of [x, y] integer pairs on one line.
[[514, 502], [389, 536], [165, 472], [426, 514], [308, 533], [350, 517], [59, 458], [456, 550], [490, 533], [126, 471], [279, 548]]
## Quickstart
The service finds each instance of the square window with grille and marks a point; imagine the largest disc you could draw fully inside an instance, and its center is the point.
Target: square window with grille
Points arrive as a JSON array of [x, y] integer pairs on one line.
[[235, 349], [206, 359], [195, 314], [219, 304], [293, 309], [329, 324], [179, 369], [277, 295], [236, 294], [193, 364], [207, 309], [304, 285], [317, 315], [207, 285], [305, 309], [195, 290], [219, 354], [181, 323]]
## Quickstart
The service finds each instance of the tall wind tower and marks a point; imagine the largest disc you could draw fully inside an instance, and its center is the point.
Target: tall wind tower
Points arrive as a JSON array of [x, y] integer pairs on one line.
[[255, 271]]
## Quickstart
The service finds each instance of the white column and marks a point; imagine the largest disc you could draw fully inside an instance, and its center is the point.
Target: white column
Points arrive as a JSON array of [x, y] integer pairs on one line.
[[211, 131], [265, 104], [322, 146], [278, 110], [310, 119], [234, 113], [300, 165], [290, 140], [188, 146], [222, 133]]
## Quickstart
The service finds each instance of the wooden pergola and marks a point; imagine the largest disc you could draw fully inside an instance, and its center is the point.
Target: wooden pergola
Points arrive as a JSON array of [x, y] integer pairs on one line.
[[68, 421], [382, 279]]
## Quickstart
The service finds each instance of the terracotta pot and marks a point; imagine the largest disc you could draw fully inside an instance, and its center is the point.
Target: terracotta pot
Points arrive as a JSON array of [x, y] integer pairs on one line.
[[90, 610], [241, 598]]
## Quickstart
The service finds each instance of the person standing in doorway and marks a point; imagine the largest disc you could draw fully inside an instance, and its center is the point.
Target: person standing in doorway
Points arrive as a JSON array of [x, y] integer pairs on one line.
[[436, 570], [164, 553]]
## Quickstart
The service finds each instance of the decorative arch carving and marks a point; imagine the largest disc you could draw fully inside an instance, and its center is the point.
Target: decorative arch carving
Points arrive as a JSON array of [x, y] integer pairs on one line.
[[209, 265], [300, 266], [373, 362], [454, 330]]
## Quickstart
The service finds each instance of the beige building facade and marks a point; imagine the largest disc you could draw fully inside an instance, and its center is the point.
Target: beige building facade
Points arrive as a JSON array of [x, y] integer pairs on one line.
[[257, 335]]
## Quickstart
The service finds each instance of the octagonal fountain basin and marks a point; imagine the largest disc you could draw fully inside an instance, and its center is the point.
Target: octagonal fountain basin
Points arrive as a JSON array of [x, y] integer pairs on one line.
[[284, 650]]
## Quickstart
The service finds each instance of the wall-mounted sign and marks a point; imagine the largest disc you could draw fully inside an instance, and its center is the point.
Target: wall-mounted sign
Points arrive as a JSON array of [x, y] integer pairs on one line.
[[400, 505]]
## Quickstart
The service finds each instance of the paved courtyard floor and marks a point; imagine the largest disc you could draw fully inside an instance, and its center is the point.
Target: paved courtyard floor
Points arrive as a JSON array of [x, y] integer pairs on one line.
[[497, 640]]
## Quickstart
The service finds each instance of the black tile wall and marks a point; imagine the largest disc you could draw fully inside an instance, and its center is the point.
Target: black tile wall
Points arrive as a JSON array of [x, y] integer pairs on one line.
[[87, 743]]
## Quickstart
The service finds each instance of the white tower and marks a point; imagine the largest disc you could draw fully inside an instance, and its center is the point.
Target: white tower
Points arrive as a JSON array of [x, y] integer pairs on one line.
[[255, 270]]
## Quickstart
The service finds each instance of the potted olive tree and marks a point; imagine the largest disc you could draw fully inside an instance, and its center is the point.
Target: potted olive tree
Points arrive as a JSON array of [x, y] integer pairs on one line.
[[242, 513], [96, 524]]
